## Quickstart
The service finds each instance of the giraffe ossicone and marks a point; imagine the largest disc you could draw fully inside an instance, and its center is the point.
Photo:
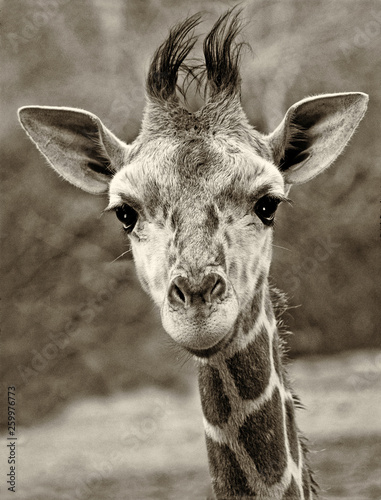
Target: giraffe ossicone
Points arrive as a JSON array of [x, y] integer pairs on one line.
[[197, 194]]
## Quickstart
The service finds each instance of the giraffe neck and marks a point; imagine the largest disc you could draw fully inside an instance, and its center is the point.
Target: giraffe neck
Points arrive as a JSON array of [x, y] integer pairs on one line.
[[252, 440]]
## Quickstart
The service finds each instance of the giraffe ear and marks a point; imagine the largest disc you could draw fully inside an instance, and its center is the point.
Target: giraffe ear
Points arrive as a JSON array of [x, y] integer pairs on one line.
[[314, 132], [76, 144]]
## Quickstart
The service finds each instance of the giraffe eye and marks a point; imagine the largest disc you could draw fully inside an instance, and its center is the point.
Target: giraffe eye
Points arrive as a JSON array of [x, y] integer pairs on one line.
[[265, 208], [127, 216]]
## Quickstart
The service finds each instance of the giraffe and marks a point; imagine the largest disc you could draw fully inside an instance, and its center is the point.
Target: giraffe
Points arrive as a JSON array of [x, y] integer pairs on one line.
[[197, 193]]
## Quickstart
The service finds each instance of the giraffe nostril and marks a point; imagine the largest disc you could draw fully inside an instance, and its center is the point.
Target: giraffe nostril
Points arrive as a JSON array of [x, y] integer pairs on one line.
[[214, 287], [177, 294], [218, 289]]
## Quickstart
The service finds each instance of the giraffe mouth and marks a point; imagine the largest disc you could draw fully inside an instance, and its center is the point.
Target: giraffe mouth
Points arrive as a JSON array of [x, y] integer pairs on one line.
[[202, 332], [207, 353]]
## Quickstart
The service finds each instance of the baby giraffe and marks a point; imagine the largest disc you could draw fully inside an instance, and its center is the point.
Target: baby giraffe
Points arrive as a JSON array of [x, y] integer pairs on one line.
[[197, 193]]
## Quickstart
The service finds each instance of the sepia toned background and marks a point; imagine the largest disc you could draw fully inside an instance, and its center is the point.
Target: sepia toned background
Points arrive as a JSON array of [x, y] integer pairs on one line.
[[76, 329]]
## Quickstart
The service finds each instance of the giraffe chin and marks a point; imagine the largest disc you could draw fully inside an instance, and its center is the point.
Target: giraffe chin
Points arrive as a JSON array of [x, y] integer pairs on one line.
[[199, 333], [207, 353]]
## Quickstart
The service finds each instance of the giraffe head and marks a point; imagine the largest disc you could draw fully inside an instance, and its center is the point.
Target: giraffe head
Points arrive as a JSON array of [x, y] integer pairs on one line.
[[197, 192]]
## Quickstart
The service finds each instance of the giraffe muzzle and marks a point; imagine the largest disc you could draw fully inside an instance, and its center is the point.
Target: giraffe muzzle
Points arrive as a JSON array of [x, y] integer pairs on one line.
[[199, 313], [183, 293]]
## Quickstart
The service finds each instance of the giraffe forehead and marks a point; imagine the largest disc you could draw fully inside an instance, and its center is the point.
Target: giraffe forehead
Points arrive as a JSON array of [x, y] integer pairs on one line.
[[195, 172]]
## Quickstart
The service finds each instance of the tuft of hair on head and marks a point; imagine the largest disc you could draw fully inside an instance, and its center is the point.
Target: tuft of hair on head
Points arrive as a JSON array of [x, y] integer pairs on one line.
[[169, 58], [218, 73], [222, 54]]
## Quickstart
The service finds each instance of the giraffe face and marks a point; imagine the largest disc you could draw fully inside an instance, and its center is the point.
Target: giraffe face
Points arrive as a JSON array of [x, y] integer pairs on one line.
[[197, 192], [199, 214]]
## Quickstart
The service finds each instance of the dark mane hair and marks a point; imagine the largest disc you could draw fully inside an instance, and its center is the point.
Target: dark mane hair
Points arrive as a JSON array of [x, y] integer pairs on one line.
[[219, 72]]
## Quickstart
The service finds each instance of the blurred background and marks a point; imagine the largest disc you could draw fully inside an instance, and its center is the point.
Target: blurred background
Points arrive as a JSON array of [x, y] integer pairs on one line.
[[74, 321]]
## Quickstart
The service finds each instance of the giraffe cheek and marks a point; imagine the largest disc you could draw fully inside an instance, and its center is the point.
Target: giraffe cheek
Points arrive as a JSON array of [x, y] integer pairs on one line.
[[142, 271], [153, 281], [158, 286]]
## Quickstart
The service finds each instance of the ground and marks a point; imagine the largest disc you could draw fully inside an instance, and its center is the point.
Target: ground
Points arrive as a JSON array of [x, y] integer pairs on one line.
[[149, 444]]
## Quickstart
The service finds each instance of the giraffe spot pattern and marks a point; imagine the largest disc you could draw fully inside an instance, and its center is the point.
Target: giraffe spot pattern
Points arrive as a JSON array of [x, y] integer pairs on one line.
[[262, 436], [215, 404], [234, 195], [233, 270], [228, 239], [306, 483], [248, 317], [152, 199], [228, 479], [165, 208], [260, 281], [171, 260], [250, 368], [292, 435], [212, 221], [230, 219], [292, 492], [175, 219], [220, 256]]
